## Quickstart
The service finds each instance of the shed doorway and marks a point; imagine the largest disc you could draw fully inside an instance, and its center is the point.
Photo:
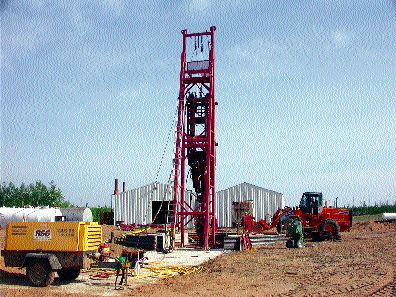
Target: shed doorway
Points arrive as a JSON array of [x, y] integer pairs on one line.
[[162, 208]]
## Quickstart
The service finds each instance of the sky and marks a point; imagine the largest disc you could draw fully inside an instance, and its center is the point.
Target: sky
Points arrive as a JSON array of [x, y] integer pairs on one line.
[[306, 93]]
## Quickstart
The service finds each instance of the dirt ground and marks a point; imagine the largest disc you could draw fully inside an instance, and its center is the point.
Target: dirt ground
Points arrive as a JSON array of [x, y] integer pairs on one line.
[[363, 263]]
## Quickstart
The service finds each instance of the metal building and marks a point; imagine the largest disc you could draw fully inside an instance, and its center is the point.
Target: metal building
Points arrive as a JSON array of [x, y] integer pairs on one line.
[[265, 202], [142, 205], [136, 206]]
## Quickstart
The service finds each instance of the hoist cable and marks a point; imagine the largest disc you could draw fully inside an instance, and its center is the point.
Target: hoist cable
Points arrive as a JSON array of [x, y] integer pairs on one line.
[[172, 128]]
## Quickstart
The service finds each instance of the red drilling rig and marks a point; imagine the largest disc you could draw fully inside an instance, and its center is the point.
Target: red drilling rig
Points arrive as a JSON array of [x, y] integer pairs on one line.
[[195, 138]]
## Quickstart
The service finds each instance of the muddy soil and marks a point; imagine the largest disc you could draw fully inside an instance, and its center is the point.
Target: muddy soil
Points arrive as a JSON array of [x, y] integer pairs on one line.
[[363, 263]]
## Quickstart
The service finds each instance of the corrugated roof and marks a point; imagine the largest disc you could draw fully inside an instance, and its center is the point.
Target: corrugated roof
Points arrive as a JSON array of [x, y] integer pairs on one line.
[[249, 184]]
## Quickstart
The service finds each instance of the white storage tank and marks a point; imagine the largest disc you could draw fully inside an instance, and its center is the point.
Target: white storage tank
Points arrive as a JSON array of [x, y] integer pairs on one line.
[[389, 216], [77, 214], [29, 214], [5, 214]]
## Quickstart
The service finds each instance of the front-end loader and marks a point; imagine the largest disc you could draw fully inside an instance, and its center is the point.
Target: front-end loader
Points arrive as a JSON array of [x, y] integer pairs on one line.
[[318, 221]]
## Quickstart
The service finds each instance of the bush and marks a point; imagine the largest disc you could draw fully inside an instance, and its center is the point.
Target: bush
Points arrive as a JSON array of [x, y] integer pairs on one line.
[[98, 211]]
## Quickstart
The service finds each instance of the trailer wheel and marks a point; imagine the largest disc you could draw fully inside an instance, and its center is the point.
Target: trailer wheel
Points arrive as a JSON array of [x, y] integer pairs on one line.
[[39, 273], [69, 274], [329, 229]]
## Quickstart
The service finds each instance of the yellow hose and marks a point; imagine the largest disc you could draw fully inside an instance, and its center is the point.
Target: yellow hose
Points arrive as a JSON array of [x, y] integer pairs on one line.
[[154, 272], [166, 270], [139, 231]]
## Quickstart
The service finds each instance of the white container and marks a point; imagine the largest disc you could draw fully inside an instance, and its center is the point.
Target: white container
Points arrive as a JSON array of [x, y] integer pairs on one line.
[[389, 216], [37, 214], [77, 214], [5, 214]]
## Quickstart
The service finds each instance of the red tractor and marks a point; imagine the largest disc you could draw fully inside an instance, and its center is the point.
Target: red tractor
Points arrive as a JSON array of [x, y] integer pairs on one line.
[[319, 222]]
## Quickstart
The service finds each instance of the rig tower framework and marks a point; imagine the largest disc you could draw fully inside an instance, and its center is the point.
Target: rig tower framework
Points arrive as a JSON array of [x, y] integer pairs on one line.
[[195, 138]]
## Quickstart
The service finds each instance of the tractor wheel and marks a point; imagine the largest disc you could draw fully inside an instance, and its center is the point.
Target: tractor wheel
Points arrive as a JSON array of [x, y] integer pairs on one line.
[[68, 274], [316, 237], [40, 273], [329, 229]]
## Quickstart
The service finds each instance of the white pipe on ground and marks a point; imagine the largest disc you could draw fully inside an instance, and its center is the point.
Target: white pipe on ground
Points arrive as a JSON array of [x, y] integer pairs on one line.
[[389, 216]]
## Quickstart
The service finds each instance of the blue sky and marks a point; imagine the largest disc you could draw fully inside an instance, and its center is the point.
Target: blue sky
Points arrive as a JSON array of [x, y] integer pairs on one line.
[[305, 89]]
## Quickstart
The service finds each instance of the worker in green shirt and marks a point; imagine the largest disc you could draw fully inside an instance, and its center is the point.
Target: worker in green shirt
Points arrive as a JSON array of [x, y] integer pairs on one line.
[[295, 233], [123, 266]]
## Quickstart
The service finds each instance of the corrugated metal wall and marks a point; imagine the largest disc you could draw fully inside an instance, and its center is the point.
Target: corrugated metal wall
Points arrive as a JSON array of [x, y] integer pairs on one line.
[[265, 202], [134, 206]]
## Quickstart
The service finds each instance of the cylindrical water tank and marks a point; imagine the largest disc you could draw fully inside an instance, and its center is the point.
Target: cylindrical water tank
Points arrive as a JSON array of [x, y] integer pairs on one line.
[[77, 214], [5, 215], [389, 216], [32, 214]]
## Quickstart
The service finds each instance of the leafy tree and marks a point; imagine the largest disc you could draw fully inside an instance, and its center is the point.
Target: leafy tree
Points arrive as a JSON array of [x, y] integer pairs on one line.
[[37, 194]]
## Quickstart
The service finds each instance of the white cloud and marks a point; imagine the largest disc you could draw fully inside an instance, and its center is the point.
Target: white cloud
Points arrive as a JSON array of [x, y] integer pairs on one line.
[[235, 3], [256, 49], [218, 6], [21, 37], [198, 5], [116, 7], [81, 23], [340, 38]]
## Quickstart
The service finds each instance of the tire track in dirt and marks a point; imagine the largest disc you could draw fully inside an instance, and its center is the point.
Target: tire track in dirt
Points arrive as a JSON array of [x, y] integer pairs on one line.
[[361, 275], [390, 288]]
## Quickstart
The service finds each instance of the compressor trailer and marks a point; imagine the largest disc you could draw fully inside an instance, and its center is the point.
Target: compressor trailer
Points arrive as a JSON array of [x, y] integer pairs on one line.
[[46, 248]]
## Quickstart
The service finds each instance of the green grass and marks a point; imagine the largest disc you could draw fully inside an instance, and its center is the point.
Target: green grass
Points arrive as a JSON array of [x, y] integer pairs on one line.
[[365, 218]]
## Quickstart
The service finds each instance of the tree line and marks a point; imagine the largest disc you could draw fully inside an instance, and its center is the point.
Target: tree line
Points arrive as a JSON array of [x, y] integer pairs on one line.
[[373, 209], [35, 194]]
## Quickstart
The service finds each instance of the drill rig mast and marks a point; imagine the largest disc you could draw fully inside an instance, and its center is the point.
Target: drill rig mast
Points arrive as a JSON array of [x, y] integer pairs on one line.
[[195, 137]]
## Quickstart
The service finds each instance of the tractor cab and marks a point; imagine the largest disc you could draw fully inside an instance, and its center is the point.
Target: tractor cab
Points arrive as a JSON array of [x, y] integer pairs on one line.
[[308, 201]]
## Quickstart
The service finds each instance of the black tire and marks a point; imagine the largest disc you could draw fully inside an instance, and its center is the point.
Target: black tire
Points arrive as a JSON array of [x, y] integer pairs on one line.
[[289, 244], [69, 274], [329, 229], [39, 273], [316, 237], [279, 227]]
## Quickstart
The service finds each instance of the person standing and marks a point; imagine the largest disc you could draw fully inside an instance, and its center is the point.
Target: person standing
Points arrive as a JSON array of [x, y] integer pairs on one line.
[[248, 222], [315, 207]]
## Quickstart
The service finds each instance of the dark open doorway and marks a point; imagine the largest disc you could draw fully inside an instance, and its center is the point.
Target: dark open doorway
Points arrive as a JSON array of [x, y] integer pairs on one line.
[[162, 208]]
